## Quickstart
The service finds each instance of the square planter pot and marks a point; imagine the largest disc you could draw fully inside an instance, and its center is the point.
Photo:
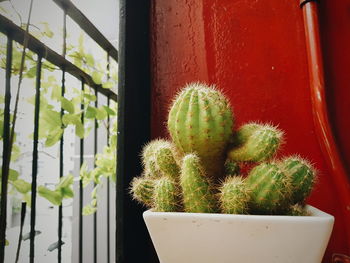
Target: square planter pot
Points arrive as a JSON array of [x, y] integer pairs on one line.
[[211, 238]]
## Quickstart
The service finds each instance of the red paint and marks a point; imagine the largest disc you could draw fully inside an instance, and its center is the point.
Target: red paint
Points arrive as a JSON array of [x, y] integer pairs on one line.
[[255, 51]]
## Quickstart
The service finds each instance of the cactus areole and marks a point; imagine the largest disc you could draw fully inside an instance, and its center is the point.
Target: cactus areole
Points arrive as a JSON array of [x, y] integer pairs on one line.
[[201, 120]]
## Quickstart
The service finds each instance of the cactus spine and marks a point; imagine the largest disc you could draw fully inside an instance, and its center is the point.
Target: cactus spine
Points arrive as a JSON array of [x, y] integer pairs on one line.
[[196, 188], [302, 174], [200, 121], [165, 195], [257, 142], [270, 189], [142, 189], [234, 196]]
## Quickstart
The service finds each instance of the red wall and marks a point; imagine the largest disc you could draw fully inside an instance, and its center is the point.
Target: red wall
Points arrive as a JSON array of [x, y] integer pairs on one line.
[[255, 52]]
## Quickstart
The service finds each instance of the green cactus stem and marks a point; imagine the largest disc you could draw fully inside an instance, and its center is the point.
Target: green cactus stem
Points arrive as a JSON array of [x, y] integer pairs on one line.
[[256, 143], [302, 174], [231, 168], [148, 157], [270, 189], [201, 121], [142, 189], [196, 189], [297, 210], [165, 161], [234, 196], [166, 195]]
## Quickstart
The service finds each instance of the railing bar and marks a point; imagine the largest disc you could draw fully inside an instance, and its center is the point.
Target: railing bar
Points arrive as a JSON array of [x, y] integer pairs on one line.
[[51, 56], [23, 216], [95, 152], [89, 28], [35, 159], [81, 190], [63, 90], [6, 149], [108, 181]]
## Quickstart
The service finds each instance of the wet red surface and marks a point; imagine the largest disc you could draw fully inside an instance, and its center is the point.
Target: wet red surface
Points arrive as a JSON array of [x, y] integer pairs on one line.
[[255, 52]]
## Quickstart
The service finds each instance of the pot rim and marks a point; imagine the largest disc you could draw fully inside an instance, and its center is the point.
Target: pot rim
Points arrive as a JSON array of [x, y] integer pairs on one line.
[[316, 214]]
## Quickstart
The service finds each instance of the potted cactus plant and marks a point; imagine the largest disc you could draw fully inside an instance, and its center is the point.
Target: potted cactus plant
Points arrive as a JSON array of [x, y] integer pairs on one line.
[[217, 194]]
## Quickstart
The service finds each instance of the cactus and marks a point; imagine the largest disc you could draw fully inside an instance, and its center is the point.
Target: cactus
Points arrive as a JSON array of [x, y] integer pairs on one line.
[[149, 157], [142, 189], [166, 197], [234, 196], [256, 143], [303, 177], [231, 168], [270, 189], [297, 210], [196, 189], [165, 161], [200, 121]]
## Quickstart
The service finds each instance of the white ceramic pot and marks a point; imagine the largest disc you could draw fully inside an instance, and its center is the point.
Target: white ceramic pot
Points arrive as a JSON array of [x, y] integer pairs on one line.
[[223, 238]]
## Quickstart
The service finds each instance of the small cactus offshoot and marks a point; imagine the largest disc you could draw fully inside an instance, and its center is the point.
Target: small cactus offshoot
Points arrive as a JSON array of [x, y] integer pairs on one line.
[[256, 143], [270, 189], [302, 174], [196, 189], [142, 189], [166, 196], [165, 161], [234, 196]]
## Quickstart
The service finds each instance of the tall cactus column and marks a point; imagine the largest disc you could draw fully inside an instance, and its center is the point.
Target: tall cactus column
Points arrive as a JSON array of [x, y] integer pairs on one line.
[[200, 121]]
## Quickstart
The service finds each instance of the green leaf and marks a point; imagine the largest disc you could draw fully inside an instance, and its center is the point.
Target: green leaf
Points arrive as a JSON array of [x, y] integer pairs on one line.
[[56, 92], [67, 105], [90, 61], [13, 174], [90, 97], [7, 242], [80, 130], [54, 197], [31, 73], [22, 186], [101, 113], [108, 85], [97, 77], [53, 137], [71, 119], [89, 210], [65, 181], [90, 112], [109, 110], [67, 192], [85, 175]]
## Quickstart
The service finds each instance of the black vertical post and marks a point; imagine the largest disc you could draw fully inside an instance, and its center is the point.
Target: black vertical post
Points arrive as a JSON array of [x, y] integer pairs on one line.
[[61, 172], [81, 189], [6, 150], [35, 160], [133, 127]]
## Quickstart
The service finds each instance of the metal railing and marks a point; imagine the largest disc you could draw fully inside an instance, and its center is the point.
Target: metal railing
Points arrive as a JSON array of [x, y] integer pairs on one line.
[[17, 34]]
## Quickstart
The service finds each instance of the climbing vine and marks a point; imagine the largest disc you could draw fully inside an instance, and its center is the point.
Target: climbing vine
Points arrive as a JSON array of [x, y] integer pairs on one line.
[[52, 125]]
